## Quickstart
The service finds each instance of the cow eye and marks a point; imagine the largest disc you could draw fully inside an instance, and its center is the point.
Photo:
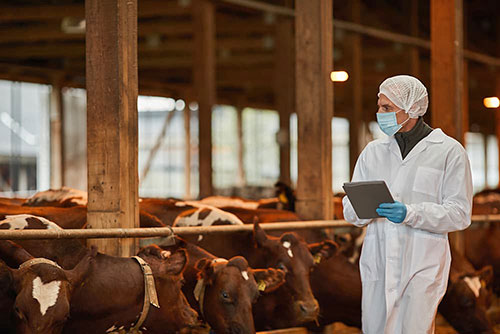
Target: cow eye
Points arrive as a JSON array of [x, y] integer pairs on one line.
[[225, 295], [281, 266]]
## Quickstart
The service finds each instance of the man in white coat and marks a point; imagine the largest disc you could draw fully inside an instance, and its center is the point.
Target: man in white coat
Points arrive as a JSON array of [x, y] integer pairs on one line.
[[405, 260]]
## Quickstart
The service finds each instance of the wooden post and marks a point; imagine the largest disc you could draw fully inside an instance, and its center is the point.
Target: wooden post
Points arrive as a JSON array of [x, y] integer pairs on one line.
[[111, 76], [284, 88], [356, 115], [187, 164], [241, 182], [204, 86], [447, 67], [56, 137], [314, 106], [414, 51]]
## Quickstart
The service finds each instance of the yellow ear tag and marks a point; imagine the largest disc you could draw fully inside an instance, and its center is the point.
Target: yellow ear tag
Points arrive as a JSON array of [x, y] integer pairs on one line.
[[483, 284], [262, 286], [317, 258], [283, 198]]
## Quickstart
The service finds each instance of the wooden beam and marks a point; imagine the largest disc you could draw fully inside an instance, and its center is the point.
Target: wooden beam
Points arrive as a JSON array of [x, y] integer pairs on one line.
[[314, 106], [447, 67], [284, 91], [56, 137], [355, 116], [204, 87], [111, 72], [414, 51]]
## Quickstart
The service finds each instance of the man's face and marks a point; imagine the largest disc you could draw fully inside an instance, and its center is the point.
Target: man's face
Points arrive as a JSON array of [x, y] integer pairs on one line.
[[386, 105]]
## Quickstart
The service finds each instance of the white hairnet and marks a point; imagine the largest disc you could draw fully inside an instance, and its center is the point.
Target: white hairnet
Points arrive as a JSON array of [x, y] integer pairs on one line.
[[406, 92]]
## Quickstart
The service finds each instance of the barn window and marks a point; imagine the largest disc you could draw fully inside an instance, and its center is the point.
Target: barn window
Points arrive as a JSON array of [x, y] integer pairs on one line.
[[492, 161], [225, 147], [340, 151], [474, 144], [24, 139], [162, 148], [261, 150]]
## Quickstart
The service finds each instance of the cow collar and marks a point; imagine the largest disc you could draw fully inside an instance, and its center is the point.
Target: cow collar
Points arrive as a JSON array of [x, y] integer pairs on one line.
[[38, 260], [150, 296]]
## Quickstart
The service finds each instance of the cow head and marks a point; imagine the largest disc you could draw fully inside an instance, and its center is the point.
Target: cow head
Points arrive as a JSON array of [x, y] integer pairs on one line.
[[167, 269], [285, 195], [227, 290], [466, 301], [297, 259], [43, 294]]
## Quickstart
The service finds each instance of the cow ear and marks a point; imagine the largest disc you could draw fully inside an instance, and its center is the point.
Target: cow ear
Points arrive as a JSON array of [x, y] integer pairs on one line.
[[79, 272], [6, 277], [176, 263], [323, 250], [486, 276], [13, 254], [259, 236], [205, 269], [268, 280]]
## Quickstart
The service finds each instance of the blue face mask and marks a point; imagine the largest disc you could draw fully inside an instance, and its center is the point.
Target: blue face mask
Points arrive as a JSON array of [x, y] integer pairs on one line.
[[388, 122]]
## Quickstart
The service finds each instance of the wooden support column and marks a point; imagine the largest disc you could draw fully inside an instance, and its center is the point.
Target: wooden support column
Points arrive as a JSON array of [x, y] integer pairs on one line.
[[111, 82], [356, 114], [284, 88], [187, 161], [56, 137], [447, 67], [414, 51], [241, 181], [204, 86], [314, 106]]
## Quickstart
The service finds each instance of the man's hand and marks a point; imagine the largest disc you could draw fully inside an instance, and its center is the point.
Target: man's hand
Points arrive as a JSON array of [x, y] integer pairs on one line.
[[395, 212]]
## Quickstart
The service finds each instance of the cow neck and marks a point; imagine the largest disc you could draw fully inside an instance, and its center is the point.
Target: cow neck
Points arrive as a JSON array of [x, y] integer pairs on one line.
[[38, 260]]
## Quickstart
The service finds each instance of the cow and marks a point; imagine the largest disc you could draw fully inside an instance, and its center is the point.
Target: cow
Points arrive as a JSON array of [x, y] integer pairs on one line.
[[222, 291], [63, 197], [336, 283], [482, 249], [36, 297], [112, 293], [292, 303], [284, 200]]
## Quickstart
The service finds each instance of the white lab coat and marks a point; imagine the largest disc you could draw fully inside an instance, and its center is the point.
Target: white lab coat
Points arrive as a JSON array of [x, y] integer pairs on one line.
[[404, 267]]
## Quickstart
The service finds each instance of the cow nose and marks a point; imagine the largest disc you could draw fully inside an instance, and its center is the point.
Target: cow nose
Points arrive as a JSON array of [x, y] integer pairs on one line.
[[309, 309]]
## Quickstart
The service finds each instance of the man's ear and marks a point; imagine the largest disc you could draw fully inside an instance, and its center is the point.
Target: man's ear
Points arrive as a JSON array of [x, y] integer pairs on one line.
[[259, 236], [323, 250], [268, 280]]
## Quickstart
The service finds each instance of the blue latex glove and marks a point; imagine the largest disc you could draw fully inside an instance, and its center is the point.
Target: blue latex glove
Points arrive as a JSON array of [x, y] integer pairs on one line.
[[395, 212]]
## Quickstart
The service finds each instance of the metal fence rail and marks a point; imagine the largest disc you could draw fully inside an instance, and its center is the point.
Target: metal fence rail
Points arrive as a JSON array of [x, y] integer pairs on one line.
[[184, 231]]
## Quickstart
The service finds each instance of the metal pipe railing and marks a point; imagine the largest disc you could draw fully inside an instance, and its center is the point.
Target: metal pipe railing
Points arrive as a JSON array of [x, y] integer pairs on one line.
[[184, 231]]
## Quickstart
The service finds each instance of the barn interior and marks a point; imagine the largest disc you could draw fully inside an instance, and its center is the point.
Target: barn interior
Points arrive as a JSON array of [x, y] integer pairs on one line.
[[232, 95]]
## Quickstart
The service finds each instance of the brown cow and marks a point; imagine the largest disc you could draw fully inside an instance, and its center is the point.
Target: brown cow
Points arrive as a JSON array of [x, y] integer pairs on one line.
[[113, 291], [63, 197], [227, 289], [40, 292], [482, 249], [293, 303]]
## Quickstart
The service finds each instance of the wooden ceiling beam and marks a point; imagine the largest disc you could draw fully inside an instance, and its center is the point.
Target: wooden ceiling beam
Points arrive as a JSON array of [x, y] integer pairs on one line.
[[146, 8]]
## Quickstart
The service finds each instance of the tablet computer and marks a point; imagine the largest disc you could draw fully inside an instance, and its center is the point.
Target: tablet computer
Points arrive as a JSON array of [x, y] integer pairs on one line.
[[366, 196]]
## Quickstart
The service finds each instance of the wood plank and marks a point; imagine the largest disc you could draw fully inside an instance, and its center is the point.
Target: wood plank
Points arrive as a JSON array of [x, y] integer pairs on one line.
[[356, 115], [314, 106], [284, 91], [56, 137], [111, 73], [204, 87], [447, 67]]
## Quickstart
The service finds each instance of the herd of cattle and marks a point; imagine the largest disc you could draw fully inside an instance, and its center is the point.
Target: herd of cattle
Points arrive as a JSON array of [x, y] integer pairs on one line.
[[226, 284]]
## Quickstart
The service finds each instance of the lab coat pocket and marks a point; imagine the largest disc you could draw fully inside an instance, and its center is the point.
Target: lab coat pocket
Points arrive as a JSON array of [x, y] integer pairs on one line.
[[428, 181], [369, 262]]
